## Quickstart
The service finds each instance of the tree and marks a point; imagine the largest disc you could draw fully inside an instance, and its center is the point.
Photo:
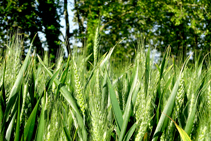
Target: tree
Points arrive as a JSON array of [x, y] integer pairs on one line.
[[67, 29], [19, 16], [30, 17], [117, 19], [50, 20], [182, 25]]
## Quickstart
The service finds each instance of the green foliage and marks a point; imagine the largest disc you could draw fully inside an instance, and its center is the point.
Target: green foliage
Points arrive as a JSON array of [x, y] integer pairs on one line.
[[28, 17], [107, 102], [182, 25]]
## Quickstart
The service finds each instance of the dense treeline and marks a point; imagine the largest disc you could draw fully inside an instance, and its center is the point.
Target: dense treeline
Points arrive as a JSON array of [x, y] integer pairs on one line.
[[181, 24]]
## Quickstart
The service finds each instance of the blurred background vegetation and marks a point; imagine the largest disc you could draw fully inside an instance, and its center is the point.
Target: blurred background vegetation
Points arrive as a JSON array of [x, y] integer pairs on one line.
[[181, 24]]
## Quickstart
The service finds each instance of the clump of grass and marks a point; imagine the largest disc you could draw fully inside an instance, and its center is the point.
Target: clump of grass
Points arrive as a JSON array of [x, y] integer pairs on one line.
[[65, 101], [13, 62]]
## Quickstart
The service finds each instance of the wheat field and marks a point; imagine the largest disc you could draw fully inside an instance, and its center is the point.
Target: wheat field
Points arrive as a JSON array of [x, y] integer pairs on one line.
[[139, 101]]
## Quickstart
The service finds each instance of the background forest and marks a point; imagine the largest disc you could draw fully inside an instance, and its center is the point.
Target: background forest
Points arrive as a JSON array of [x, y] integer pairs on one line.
[[181, 24]]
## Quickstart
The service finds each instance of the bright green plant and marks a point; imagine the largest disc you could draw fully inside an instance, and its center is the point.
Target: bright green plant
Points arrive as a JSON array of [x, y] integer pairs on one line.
[[65, 101]]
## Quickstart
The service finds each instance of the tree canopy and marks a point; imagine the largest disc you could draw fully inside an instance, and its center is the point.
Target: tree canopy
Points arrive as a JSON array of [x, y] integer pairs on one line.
[[28, 17], [181, 24]]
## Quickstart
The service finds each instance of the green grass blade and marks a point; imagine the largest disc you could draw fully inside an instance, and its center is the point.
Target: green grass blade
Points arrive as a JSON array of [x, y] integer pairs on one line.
[[168, 109], [2, 105], [147, 71], [128, 108], [24, 94], [163, 64], [105, 60], [182, 133], [115, 105], [191, 116], [104, 91], [90, 77], [49, 84], [30, 125], [130, 132], [10, 127], [64, 120], [32, 92], [67, 134], [156, 65], [17, 132], [41, 125], [65, 72]]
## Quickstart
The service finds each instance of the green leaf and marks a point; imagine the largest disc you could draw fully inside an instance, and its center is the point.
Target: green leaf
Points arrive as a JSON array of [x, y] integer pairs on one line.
[[41, 125], [182, 133], [17, 132], [2, 105], [130, 132], [163, 63], [105, 60], [67, 134], [65, 72], [147, 71], [10, 127], [128, 108], [191, 116], [115, 105], [30, 125], [49, 84]]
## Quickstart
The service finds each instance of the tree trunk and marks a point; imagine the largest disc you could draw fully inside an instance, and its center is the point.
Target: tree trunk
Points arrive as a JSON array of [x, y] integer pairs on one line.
[[67, 29]]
